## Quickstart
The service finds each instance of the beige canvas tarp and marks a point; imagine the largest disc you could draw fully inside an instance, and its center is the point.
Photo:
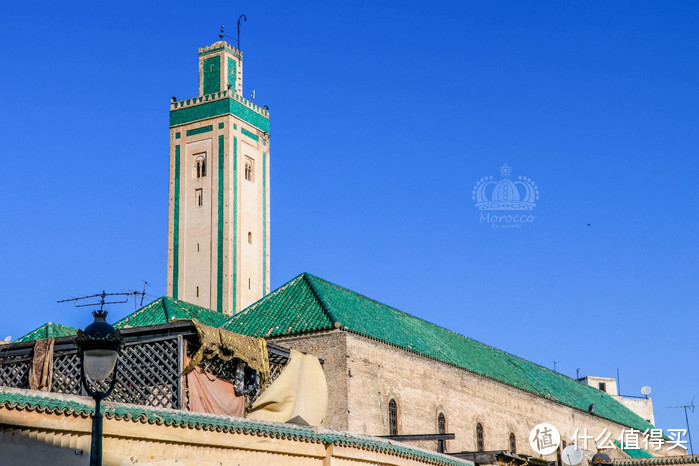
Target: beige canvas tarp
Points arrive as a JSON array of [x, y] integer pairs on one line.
[[300, 390]]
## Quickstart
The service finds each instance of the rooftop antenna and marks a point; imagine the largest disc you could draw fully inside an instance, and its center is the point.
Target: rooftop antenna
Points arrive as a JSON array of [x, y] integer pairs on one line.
[[143, 293], [100, 299], [618, 383], [690, 406], [244, 18], [554, 365]]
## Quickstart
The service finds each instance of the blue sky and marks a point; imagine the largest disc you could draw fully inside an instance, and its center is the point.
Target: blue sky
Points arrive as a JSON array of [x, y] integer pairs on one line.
[[384, 116]]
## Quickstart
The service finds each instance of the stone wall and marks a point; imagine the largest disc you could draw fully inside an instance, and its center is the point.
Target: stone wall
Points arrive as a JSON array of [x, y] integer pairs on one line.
[[371, 373], [331, 349]]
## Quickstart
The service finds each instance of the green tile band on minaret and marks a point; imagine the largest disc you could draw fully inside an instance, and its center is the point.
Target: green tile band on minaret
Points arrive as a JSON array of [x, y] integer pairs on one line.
[[176, 227], [235, 222], [219, 243], [212, 75], [264, 224], [218, 249], [227, 105]]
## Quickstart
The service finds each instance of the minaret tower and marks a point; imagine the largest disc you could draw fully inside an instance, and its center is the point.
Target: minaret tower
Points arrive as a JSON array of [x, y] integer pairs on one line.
[[218, 228]]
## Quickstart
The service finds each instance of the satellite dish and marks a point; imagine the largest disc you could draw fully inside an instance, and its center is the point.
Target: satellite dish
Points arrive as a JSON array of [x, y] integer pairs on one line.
[[571, 455], [645, 391]]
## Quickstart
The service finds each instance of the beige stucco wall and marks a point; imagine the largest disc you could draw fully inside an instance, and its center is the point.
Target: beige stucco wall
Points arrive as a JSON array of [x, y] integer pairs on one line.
[[33, 438], [371, 372]]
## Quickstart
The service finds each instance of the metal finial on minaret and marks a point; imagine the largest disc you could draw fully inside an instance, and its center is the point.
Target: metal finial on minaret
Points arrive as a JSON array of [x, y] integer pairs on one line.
[[220, 34], [244, 18]]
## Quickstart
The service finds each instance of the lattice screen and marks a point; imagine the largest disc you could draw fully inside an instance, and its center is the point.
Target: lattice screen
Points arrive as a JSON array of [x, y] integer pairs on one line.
[[14, 371], [148, 372]]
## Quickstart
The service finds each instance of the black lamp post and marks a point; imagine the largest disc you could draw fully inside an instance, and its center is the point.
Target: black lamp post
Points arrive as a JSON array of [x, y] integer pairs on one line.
[[98, 346]]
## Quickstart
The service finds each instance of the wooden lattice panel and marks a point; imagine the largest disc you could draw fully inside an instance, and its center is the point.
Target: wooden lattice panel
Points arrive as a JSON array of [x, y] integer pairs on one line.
[[14, 371]]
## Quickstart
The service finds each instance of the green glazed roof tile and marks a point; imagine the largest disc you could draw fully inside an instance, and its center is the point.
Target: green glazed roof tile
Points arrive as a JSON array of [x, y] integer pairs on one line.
[[634, 452], [165, 309], [308, 303], [28, 400], [48, 330], [292, 308]]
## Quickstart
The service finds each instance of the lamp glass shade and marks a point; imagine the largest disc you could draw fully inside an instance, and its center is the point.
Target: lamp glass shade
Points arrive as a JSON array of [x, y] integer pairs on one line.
[[99, 363]]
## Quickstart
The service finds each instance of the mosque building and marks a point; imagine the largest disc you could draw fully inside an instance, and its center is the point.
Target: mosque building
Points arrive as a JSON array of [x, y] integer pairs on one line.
[[388, 373]]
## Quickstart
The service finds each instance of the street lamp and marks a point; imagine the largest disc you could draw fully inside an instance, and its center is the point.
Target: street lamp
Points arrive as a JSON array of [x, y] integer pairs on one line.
[[98, 346]]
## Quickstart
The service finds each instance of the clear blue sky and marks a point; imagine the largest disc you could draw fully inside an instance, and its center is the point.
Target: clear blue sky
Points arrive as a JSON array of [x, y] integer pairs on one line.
[[384, 115]]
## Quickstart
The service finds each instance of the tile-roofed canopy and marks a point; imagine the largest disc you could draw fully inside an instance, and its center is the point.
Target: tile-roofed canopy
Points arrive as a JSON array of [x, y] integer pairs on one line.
[[48, 330], [308, 303], [165, 309]]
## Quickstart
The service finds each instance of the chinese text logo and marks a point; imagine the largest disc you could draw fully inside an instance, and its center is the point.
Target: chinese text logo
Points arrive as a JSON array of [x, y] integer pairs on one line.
[[544, 439]]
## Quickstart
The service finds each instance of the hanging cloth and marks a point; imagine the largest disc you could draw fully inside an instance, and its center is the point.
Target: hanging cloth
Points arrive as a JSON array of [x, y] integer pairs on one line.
[[226, 345], [41, 372], [209, 394]]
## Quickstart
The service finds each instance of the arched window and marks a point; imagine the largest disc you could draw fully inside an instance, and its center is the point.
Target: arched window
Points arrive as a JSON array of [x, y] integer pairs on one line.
[[200, 165], [393, 417], [249, 237], [513, 443], [442, 427], [249, 169], [479, 437]]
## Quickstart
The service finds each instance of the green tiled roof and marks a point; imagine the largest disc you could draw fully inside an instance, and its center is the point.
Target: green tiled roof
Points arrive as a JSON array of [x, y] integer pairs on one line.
[[634, 452], [658, 461], [308, 303], [48, 330], [28, 400], [164, 310]]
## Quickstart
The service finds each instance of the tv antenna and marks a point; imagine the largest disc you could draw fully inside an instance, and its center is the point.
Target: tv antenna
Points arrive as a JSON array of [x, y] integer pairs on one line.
[[244, 18], [222, 34], [554, 365], [143, 293], [100, 299], [690, 406]]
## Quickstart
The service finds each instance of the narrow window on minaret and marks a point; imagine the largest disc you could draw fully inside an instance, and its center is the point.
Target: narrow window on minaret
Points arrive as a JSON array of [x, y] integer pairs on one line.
[[198, 197], [197, 292], [249, 238], [248, 283], [200, 165], [249, 169]]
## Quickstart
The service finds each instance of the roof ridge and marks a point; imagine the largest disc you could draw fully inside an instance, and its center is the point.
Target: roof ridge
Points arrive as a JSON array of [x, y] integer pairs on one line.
[[323, 304], [49, 326], [139, 311], [436, 325], [550, 394], [181, 304], [264, 298], [382, 304], [166, 308]]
